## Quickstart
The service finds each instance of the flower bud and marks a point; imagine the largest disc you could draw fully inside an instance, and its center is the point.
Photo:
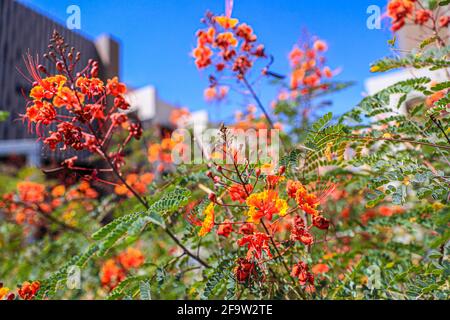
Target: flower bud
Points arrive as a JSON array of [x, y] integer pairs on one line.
[[212, 197], [59, 66]]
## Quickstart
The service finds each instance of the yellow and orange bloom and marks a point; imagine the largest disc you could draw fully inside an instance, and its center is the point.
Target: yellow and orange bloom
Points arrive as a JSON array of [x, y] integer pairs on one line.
[[264, 205], [208, 222]]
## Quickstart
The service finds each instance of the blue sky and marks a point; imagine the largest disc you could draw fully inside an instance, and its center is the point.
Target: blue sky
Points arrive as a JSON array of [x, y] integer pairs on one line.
[[157, 36]]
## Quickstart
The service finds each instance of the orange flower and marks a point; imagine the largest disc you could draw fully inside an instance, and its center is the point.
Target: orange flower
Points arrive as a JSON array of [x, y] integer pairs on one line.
[[28, 290], [111, 274], [422, 16], [41, 112], [206, 37], [115, 87], [320, 268], [435, 97], [292, 187], [47, 87], [320, 46], [238, 193], [247, 228], [225, 228], [3, 291], [58, 191], [31, 191], [320, 222], [300, 271], [131, 258], [138, 183], [225, 40], [308, 202], [244, 269], [300, 233], [398, 11], [202, 56], [94, 86], [257, 244], [69, 98], [208, 222], [265, 204]]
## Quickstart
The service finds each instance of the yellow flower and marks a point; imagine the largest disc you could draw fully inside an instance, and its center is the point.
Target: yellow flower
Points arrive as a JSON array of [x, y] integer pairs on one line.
[[3, 292], [208, 223], [226, 22], [58, 191], [437, 206], [374, 69]]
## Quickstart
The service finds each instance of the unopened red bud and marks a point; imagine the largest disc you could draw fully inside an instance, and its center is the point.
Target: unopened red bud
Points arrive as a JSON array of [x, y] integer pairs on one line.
[[216, 179], [258, 172], [42, 69], [212, 197], [94, 72], [59, 66], [209, 174], [281, 170], [219, 168]]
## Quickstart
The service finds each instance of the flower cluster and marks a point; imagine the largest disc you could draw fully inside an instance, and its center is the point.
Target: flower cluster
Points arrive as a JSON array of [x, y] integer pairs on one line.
[[33, 202], [413, 11], [73, 111], [28, 291], [301, 272], [139, 183], [229, 47], [308, 68], [114, 271], [252, 197]]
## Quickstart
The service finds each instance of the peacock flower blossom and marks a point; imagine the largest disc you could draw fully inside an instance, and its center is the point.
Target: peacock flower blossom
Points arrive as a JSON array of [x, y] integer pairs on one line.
[[300, 233], [320, 268], [111, 274], [301, 272], [31, 192], [247, 228], [422, 16], [116, 88], [131, 258], [225, 228], [28, 291], [257, 244], [208, 222], [3, 292], [244, 270], [238, 193], [306, 201], [264, 205], [320, 46]]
